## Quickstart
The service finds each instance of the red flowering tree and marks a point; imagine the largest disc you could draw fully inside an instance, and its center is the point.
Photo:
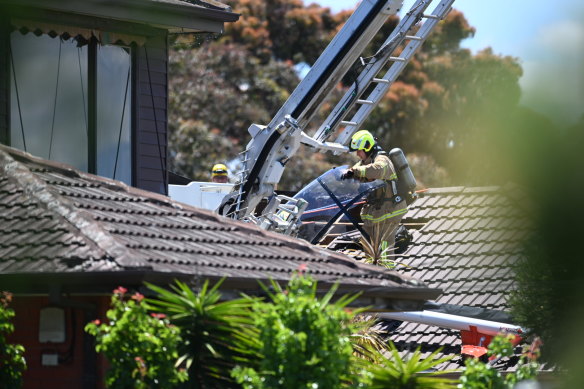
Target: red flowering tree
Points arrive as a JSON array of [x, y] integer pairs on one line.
[[454, 112], [141, 347]]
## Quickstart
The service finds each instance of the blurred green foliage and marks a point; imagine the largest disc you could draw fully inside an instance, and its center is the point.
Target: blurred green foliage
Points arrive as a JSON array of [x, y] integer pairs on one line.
[[481, 375], [551, 278]]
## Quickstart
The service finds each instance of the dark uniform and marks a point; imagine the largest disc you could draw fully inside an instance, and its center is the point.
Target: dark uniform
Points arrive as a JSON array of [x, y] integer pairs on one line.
[[380, 214]]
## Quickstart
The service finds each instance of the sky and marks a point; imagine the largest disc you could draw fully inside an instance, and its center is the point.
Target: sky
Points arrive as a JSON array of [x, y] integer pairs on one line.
[[546, 36]]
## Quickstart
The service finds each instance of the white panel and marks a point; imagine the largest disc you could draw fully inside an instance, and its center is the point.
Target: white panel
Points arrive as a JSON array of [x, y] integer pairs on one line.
[[52, 325]]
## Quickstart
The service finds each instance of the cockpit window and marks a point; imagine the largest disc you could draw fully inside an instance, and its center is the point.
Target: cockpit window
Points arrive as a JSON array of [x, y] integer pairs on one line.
[[322, 210]]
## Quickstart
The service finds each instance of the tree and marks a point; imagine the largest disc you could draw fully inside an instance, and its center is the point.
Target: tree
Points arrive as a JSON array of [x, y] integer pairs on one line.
[[448, 105], [216, 92], [283, 29], [197, 148]]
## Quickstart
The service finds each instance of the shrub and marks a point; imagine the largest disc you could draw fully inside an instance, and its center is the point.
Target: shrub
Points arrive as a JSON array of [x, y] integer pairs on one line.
[[12, 362], [480, 375], [140, 347], [305, 342]]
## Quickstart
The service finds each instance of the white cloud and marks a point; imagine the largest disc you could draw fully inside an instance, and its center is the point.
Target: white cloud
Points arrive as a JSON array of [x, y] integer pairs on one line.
[[564, 38], [553, 81]]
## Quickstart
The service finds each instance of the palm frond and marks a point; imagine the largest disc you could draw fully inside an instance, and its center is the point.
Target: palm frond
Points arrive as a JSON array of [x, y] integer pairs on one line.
[[365, 337], [373, 248], [392, 371], [218, 334]]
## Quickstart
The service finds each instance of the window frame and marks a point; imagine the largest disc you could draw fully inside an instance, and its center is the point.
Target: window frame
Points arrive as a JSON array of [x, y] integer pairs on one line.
[[92, 101], [151, 45]]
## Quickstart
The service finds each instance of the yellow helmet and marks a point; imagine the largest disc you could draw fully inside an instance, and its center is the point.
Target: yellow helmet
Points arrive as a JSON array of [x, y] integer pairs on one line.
[[219, 170], [362, 140]]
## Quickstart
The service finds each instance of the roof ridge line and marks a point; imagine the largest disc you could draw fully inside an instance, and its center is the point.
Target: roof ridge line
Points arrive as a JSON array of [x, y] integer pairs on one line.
[[109, 183], [212, 4], [91, 229]]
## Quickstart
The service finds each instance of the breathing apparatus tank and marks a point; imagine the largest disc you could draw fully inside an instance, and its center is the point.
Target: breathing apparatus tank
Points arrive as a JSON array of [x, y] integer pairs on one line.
[[406, 182]]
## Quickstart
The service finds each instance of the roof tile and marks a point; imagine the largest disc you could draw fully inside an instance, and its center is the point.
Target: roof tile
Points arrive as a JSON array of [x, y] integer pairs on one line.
[[75, 222], [468, 251]]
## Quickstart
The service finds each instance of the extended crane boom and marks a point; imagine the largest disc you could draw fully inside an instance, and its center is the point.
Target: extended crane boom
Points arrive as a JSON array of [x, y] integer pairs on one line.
[[272, 146]]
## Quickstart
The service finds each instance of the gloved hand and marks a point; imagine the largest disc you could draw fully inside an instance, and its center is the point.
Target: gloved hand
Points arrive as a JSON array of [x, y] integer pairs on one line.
[[348, 174]]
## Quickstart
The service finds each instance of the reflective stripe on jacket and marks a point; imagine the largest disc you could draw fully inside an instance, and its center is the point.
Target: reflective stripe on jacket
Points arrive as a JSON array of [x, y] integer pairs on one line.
[[383, 217], [379, 167]]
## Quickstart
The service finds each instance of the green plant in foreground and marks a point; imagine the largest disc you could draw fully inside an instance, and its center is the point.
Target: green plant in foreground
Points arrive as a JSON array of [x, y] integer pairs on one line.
[[376, 252], [305, 341], [141, 347], [217, 334], [394, 372], [12, 363], [480, 375], [366, 336]]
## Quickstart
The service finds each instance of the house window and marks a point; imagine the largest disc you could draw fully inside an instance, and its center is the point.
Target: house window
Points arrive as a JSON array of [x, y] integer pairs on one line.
[[71, 102], [114, 98]]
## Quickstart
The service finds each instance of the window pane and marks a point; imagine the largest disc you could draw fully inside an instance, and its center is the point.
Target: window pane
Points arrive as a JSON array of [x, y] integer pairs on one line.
[[49, 98], [114, 87]]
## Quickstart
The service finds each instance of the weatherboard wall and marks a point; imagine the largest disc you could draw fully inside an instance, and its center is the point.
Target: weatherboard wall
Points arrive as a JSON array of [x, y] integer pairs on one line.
[[4, 84], [151, 115]]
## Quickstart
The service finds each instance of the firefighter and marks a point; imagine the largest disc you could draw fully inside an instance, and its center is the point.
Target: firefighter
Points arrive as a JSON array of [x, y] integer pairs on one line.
[[383, 208], [219, 173]]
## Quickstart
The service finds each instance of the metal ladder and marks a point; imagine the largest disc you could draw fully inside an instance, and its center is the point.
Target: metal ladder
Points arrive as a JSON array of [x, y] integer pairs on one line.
[[373, 66]]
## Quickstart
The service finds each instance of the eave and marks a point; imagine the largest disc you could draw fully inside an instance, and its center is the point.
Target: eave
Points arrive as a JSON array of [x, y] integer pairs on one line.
[[173, 16]]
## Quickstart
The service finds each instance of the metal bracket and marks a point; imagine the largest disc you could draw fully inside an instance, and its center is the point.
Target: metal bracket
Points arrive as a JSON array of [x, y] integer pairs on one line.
[[282, 217], [336, 148]]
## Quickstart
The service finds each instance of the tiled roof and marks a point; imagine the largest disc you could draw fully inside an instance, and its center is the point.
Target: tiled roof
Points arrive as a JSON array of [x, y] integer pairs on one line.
[[203, 3], [469, 242], [58, 221]]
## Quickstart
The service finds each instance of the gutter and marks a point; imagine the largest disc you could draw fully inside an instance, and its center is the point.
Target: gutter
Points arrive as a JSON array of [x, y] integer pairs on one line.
[[377, 298], [174, 17]]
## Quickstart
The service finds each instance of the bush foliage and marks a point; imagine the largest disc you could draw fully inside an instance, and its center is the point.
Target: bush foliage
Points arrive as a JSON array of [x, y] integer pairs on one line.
[[141, 347], [480, 375], [388, 369], [305, 341], [290, 338], [12, 362]]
